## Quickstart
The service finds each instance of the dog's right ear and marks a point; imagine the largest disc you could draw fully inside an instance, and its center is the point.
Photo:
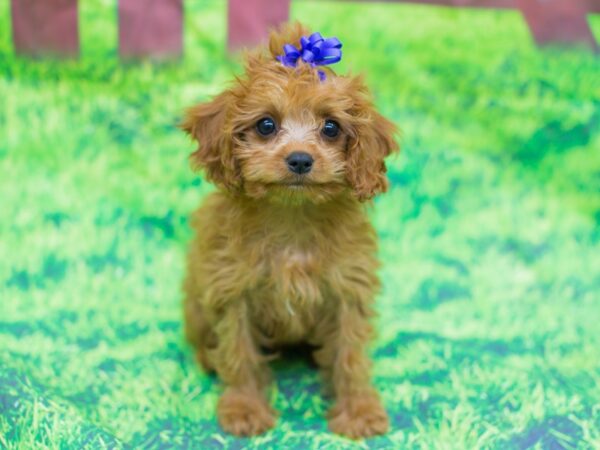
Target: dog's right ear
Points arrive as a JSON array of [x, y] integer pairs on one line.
[[207, 123]]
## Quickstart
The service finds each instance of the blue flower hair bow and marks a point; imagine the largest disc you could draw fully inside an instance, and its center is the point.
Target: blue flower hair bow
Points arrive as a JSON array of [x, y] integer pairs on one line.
[[315, 50]]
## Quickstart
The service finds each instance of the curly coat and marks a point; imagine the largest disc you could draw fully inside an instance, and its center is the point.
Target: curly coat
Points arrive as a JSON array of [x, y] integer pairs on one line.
[[279, 258]]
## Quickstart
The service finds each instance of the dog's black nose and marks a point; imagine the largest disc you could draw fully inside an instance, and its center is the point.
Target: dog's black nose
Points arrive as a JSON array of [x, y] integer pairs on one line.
[[299, 162]]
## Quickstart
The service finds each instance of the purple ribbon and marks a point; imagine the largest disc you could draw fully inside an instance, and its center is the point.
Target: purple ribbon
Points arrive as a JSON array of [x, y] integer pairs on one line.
[[315, 50]]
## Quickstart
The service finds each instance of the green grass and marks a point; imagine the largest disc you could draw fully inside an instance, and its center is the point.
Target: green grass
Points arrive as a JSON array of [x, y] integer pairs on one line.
[[490, 238]]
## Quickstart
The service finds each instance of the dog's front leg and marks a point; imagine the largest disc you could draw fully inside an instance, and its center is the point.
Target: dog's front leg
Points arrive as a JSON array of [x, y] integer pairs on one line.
[[242, 409], [357, 411]]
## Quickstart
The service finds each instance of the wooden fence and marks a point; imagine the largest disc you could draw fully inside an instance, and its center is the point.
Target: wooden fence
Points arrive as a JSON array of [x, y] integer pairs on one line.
[[154, 28]]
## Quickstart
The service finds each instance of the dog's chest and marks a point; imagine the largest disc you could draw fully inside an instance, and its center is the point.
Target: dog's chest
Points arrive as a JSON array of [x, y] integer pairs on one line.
[[295, 272], [291, 292]]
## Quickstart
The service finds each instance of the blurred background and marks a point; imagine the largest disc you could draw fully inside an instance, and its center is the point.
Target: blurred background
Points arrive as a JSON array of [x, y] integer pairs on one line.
[[490, 234]]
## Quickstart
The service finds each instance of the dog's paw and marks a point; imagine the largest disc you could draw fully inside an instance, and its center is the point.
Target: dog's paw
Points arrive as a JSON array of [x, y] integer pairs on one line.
[[358, 417], [244, 414]]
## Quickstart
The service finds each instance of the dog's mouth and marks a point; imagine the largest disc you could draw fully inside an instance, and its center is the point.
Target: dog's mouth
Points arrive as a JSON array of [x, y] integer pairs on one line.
[[297, 183], [302, 183], [296, 190]]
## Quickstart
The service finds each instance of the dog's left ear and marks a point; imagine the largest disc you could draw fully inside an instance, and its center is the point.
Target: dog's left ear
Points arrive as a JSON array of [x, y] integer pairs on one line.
[[207, 124], [371, 139]]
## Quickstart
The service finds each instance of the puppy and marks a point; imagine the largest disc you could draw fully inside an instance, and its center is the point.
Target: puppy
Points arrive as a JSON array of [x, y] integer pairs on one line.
[[284, 252]]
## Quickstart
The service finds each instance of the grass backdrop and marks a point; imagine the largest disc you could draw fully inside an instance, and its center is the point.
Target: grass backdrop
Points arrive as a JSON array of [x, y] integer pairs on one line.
[[489, 330]]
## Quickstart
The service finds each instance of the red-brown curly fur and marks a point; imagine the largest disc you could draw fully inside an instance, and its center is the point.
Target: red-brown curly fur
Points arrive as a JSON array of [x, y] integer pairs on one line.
[[279, 258]]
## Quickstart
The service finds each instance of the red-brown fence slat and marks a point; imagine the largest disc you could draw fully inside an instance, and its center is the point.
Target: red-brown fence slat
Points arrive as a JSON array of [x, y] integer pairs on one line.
[[45, 27], [248, 21], [558, 21], [150, 28]]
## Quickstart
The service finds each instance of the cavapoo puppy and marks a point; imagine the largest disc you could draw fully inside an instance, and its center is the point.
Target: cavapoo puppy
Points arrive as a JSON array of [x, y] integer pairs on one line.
[[283, 252]]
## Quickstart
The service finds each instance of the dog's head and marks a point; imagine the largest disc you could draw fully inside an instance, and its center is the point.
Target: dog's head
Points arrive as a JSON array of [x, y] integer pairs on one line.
[[292, 132]]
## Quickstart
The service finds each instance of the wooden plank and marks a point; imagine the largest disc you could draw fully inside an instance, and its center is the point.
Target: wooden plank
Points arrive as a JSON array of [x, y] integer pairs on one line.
[[496, 4], [249, 21], [45, 27], [558, 21], [550, 21], [150, 28]]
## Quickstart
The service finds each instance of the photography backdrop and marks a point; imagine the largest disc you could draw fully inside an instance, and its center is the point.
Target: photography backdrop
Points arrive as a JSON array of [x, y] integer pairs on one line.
[[488, 333]]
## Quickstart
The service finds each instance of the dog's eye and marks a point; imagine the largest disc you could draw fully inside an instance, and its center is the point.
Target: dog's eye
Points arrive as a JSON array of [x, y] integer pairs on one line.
[[331, 129], [266, 126]]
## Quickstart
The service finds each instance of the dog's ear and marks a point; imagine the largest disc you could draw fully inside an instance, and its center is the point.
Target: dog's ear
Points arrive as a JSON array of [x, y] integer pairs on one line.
[[207, 123], [371, 139]]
